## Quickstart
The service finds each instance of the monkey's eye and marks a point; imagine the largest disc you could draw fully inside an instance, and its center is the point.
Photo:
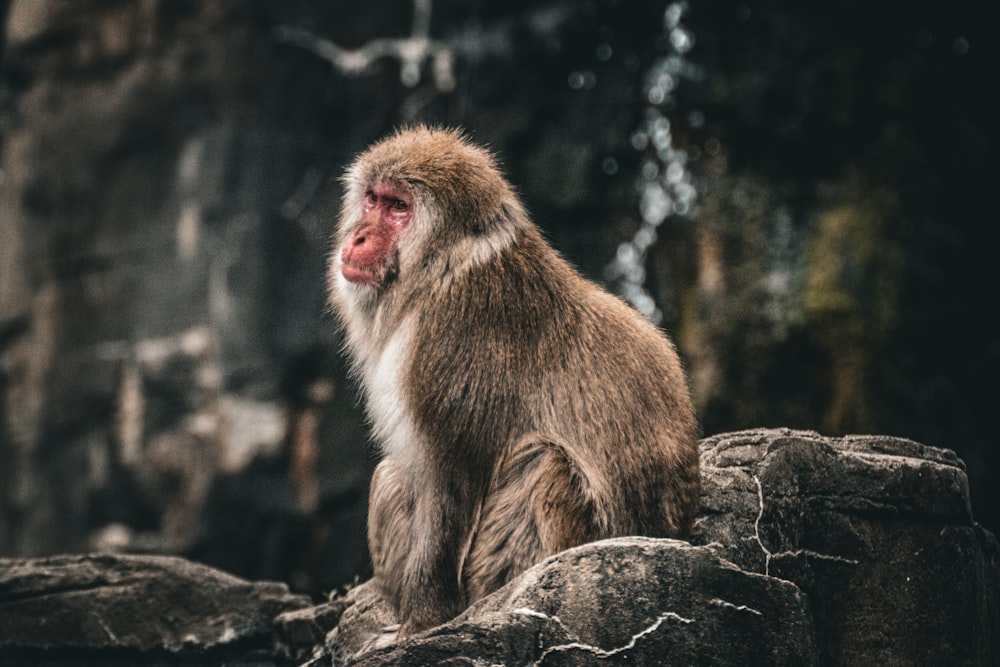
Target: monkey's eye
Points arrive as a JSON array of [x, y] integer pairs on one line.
[[398, 205], [371, 196]]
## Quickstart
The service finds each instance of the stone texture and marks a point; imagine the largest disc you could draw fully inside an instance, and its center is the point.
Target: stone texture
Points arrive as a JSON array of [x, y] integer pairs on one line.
[[809, 550], [95, 608], [629, 601], [303, 630], [877, 531]]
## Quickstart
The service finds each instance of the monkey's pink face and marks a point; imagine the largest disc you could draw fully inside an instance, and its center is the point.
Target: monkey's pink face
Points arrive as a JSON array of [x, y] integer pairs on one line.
[[368, 252]]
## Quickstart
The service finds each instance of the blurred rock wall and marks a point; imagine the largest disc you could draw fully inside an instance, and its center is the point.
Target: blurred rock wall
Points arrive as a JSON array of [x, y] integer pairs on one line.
[[166, 355], [169, 374]]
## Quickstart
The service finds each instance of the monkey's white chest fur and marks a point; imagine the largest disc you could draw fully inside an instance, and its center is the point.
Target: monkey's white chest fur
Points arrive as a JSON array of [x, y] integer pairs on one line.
[[394, 428]]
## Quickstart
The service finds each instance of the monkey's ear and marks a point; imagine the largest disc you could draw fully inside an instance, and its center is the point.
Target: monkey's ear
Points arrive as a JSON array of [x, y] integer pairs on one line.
[[508, 216]]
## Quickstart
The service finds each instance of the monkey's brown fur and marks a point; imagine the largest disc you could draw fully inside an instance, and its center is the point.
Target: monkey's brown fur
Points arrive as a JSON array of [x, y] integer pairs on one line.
[[522, 409]]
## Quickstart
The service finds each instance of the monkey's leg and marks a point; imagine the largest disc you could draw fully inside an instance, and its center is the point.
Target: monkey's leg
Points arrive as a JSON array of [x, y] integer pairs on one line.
[[538, 506], [413, 532]]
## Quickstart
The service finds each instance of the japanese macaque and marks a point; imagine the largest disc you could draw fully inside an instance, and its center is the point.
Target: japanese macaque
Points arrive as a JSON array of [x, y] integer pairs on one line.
[[520, 409]]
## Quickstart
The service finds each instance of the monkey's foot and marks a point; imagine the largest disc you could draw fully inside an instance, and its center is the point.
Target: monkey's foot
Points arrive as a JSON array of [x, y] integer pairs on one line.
[[387, 635]]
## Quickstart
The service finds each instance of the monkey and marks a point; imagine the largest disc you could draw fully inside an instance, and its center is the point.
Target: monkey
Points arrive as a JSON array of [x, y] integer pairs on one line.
[[519, 408]]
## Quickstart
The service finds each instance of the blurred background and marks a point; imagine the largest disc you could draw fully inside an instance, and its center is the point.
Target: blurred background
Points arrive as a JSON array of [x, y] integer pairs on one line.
[[800, 194]]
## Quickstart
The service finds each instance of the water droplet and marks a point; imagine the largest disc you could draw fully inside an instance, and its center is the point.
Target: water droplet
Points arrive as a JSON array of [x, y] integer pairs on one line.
[[675, 172], [662, 141], [632, 292], [645, 304], [645, 237], [672, 16], [609, 166], [650, 170], [636, 274], [666, 81], [696, 119], [604, 52], [639, 140], [627, 254], [685, 192], [960, 45], [681, 40], [654, 204], [673, 64]]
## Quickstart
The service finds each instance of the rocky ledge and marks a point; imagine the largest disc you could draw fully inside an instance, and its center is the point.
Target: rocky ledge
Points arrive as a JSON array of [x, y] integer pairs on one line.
[[144, 610], [809, 550]]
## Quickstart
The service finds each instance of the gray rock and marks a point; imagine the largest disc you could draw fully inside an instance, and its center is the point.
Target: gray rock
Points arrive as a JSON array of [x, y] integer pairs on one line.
[[809, 550], [877, 531], [97, 607], [634, 601], [303, 630]]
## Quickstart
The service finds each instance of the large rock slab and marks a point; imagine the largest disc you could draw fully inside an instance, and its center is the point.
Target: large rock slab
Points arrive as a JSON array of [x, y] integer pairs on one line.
[[628, 601], [98, 609], [878, 532], [809, 550]]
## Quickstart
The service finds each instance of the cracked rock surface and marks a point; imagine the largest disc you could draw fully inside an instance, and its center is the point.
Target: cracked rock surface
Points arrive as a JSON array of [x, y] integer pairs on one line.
[[635, 601], [874, 535], [877, 531], [809, 550], [141, 609]]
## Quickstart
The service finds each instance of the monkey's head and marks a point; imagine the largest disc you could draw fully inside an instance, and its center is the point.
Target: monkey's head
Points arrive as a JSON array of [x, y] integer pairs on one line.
[[416, 199]]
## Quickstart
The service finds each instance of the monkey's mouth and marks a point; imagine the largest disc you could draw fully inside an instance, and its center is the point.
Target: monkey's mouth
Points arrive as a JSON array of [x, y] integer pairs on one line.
[[375, 275], [364, 275]]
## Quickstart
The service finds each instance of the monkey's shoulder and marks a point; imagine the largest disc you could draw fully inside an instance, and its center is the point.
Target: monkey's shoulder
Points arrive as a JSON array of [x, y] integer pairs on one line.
[[527, 308]]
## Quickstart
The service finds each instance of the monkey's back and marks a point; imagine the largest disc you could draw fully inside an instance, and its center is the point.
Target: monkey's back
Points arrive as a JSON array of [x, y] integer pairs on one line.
[[622, 407], [535, 349]]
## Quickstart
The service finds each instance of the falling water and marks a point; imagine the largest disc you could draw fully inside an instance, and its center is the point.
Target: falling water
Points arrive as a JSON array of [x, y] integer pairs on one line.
[[665, 184]]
